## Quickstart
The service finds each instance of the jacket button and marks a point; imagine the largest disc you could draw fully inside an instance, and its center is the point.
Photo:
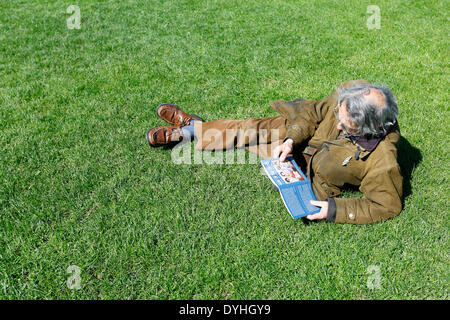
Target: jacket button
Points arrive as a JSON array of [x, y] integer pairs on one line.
[[294, 127], [351, 216]]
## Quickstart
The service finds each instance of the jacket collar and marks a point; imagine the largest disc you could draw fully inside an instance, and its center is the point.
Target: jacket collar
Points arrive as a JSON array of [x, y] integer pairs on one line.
[[368, 142]]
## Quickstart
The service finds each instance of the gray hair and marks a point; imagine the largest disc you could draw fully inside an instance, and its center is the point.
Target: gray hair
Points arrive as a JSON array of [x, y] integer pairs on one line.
[[372, 119]]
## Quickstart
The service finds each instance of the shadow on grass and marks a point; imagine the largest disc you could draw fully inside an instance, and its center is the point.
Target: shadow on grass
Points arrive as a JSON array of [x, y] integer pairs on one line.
[[408, 159]]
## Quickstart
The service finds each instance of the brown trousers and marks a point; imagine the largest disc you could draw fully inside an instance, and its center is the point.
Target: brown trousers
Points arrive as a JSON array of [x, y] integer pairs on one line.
[[257, 135]]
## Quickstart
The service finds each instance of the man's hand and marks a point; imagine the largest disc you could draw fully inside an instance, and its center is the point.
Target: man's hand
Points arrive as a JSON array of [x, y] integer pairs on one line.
[[323, 211], [283, 149]]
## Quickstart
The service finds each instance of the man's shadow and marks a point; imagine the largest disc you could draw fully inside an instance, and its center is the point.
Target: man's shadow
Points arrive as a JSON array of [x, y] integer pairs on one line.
[[409, 158]]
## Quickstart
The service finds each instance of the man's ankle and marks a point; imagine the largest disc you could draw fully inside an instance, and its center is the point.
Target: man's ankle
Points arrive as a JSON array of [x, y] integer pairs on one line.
[[189, 131]]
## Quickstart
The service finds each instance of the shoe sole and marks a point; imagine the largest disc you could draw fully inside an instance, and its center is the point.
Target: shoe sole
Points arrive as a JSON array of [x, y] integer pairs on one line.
[[156, 145], [148, 140], [165, 104]]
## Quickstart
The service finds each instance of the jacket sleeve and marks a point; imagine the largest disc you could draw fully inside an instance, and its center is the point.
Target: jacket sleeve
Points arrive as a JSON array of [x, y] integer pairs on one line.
[[305, 124], [303, 117], [382, 190]]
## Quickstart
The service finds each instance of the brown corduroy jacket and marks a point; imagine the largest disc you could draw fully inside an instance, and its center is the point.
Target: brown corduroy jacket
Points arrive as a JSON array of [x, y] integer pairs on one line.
[[338, 163]]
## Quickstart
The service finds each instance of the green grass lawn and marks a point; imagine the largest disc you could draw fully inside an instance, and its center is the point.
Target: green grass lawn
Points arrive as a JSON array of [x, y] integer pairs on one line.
[[79, 184]]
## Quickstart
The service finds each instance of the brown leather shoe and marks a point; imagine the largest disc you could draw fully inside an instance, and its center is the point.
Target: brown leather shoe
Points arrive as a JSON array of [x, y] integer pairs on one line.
[[174, 115], [160, 136]]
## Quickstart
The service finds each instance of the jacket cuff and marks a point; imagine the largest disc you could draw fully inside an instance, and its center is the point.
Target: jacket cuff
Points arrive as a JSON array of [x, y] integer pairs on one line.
[[294, 134], [331, 215], [288, 138]]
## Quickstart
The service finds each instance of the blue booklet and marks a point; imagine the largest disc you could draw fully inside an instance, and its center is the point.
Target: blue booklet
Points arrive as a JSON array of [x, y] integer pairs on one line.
[[294, 187]]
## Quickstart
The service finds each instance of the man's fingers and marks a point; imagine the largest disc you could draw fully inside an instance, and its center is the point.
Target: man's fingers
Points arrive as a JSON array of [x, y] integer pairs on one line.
[[315, 216], [323, 210], [316, 203], [284, 155], [276, 152]]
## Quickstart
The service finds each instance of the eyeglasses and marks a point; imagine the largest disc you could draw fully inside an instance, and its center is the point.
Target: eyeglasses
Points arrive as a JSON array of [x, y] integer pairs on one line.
[[347, 130]]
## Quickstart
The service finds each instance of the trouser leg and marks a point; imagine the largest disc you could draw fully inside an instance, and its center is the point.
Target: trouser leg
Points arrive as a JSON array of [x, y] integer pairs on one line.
[[258, 135]]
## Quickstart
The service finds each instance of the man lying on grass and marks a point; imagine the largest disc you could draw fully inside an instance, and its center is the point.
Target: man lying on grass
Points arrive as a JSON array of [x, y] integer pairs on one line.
[[348, 139]]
